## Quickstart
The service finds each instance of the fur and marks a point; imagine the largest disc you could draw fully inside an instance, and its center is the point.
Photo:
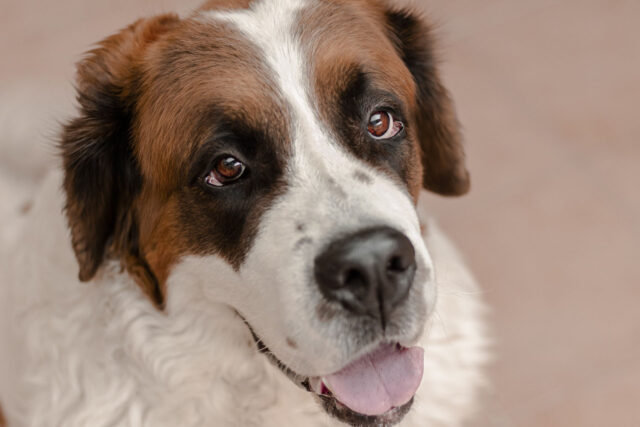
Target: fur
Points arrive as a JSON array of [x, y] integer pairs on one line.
[[99, 354], [184, 279]]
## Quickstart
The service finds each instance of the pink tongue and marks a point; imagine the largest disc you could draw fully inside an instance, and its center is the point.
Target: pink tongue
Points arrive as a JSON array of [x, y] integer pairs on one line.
[[379, 381]]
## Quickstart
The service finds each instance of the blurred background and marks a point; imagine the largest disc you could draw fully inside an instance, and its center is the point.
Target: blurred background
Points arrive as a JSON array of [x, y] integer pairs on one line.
[[548, 93]]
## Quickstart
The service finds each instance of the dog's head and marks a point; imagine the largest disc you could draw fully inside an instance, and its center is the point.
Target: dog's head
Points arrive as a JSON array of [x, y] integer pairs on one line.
[[273, 152]]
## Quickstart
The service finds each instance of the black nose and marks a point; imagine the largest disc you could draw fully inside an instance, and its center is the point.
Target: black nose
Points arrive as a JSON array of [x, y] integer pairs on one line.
[[369, 272]]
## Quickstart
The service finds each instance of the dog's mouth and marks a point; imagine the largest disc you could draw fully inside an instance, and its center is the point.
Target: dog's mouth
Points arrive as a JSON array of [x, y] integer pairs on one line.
[[376, 389], [376, 383]]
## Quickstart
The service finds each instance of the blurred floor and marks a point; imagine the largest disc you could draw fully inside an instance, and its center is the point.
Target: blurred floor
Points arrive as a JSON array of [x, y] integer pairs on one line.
[[548, 94]]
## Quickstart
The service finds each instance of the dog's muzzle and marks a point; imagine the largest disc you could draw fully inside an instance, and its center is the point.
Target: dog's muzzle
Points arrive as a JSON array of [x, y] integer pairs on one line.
[[369, 274]]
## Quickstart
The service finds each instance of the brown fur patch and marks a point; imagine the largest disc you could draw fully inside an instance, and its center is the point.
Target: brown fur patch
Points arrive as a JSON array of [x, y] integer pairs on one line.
[[393, 49], [347, 39], [226, 4], [190, 79], [212, 85], [101, 177], [158, 107], [3, 422]]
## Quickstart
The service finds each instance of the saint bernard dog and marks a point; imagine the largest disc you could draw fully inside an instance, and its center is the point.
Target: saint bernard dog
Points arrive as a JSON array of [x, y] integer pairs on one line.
[[233, 237]]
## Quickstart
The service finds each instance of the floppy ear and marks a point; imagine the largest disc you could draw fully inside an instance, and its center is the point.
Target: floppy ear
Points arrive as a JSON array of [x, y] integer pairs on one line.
[[102, 177], [438, 132]]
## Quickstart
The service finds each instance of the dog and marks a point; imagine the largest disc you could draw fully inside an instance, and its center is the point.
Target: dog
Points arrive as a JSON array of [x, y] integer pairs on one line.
[[233, 237]]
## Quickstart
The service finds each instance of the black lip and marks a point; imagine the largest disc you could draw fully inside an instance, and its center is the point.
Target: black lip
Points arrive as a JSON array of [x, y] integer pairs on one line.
[[329, 403], [348, 416]]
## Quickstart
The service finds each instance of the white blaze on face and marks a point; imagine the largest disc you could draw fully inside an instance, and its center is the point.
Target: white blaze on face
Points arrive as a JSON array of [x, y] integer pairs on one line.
[[275, 290]]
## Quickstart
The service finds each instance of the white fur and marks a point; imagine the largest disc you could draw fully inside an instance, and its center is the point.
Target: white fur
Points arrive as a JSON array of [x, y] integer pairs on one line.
[[279, 299], [98, 354]]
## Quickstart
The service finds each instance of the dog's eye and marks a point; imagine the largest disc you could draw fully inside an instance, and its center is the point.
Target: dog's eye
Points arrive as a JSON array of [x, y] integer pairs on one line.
[[383, 126], [225, 170]]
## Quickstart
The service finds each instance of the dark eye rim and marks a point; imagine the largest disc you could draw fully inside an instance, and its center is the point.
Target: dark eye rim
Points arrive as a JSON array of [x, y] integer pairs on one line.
[[396, 115]]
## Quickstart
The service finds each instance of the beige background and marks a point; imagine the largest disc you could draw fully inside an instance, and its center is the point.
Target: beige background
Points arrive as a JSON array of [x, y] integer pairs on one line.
[[548, 92]]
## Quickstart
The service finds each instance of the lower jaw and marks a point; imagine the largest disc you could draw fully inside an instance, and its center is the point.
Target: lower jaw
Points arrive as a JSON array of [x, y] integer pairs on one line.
[[329, 403], [346, 415]]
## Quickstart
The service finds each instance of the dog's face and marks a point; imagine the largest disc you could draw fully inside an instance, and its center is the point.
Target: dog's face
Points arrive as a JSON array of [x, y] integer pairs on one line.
[[272, 153]]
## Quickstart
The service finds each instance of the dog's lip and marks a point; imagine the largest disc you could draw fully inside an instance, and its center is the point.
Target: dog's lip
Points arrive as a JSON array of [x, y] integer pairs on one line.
[[343, 413]]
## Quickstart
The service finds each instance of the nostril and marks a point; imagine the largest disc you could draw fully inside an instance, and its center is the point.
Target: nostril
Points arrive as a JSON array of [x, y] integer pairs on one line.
[[397, 264], [353, 278]]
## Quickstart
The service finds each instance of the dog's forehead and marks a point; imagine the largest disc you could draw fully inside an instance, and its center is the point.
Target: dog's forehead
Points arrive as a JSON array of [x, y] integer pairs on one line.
[[321, 41], [267, 64]]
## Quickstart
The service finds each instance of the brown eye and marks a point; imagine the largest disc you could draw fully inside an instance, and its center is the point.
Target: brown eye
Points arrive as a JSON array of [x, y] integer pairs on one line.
[[383, 126], [225, 170]]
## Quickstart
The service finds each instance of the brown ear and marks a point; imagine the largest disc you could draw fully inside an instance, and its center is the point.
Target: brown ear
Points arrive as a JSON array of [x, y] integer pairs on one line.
[[443, 156], [102, 177]]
